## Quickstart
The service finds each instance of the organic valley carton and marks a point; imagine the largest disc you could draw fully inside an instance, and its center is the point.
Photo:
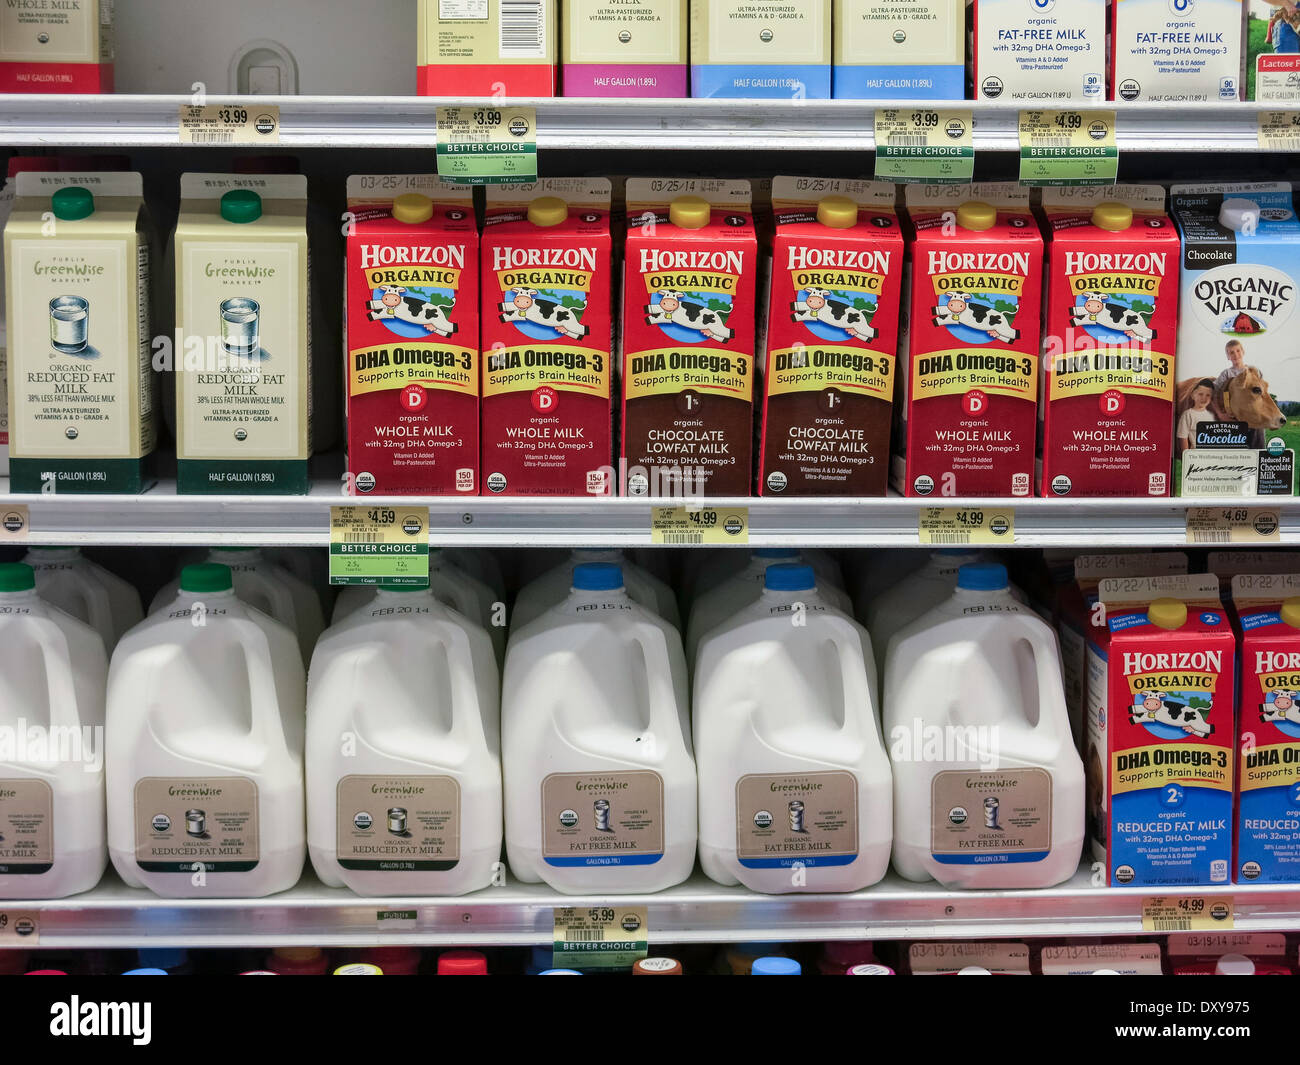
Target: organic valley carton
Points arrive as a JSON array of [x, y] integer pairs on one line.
[[548, 372], [243, 400], [56, 46], [778, 49], [81, 387], [1112, 319], [1040, 51], [899, 50], [615, 48], [412, 336], [494, 48], [968, 371], [1160, 756], [1272, 51], [832, 338], [1177, 50], [689, 320], [1238, 374]]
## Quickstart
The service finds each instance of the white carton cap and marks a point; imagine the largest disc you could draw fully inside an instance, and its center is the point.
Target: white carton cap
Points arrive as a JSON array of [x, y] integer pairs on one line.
[[1237, 215], [1234, 965]]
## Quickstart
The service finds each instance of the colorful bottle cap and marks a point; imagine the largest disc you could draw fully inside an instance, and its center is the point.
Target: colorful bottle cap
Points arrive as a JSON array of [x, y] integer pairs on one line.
[[72, 203], [298, 961], [17, 577], [47, 972], [462, 963], [412, 208], [837, 212], [598, 577], [547, 211], [1112, 217], [775, 967], [658, 967], [559, 972], [977, 215], [869, 969], [207, 577], [1234, 965], [789, 577], [358, 968], [241, 206], [982, 577], [1238, 214], [974, 970], [1167, 614], [739, 958], [1291, 613], [689, 212], [146, 972]]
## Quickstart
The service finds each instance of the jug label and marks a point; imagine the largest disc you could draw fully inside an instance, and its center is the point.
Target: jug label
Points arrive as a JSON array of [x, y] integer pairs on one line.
[[26, 827], [182, 823], [594, 819], [808, 818], [991, 818], [399, 824]]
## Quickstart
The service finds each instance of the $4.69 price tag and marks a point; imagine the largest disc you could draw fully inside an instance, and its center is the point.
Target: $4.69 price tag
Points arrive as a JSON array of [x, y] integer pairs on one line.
[[487, 145], [699, 525], [219, 124], [384, 546], [1279, 131], [1190, 913], [947, 526], [1233, 525], [1068, 148], [600, 937], [923, 146]]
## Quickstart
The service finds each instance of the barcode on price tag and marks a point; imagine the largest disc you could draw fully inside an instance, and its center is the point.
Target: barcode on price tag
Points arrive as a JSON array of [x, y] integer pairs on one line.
[[379, 546], [600, 937], [1279, 131], [1189, 913], [924, 146], [487, 145], [1068, 148], [19, 928], [230, 124], [699, 525], [958, 526], [1233, 525]]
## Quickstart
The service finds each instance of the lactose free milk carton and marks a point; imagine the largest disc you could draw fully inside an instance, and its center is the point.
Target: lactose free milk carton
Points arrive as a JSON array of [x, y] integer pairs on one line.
[[547, 373], [624, 48], [1112, 320], [1160, 755], [243, 396], [1272, 51], [779, 49], [832, 338], [56, 46], [1040, 51], [968, 373], [689, 320], [492, 48], [1177, 50], [1238, 371], [899, 49], [82, 394], [412, 336]]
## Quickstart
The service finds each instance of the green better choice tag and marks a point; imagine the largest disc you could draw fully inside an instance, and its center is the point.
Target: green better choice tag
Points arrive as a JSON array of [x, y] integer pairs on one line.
[[926, 147], [487, 145], [383, 546], [1068, 148]]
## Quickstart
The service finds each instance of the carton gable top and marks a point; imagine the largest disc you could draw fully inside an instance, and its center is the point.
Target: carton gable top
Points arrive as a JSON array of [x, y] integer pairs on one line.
[[1090, 570], [1259, 588], [722, 194], [591, 193], [1195, 210], [1081, 199], [385, 188], [808, 192], [107, 183], [1004, 195], [211, 187], [1133, 595]]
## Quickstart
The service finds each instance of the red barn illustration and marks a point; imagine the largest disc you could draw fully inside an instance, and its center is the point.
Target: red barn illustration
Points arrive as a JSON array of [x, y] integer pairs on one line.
[[1245, 324]]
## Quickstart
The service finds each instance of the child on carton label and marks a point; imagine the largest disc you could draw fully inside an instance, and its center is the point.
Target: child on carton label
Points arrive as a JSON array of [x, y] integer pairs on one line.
[[1194, 415]]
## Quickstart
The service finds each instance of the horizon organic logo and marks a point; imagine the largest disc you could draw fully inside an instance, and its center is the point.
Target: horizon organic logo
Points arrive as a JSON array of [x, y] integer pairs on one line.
[[40, 745]]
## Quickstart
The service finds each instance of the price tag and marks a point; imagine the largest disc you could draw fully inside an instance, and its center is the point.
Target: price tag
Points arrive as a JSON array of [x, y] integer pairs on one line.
[[926, 147], [699, 525], [1233, 525], [396, 920], [15, 522], [967, 525], [1279, 131], [384, 546], [487, 145], [1189, 913], [1068, 148], [600, 937], [20, 928], [222, 124]]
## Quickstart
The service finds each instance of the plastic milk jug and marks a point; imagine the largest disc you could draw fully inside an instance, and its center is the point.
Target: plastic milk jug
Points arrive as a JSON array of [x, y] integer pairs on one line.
[[552, 587], [86, 590]]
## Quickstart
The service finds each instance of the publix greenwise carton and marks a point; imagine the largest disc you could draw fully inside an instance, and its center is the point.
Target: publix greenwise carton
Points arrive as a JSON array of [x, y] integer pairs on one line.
[[56, 46], [777, 49], [1272, 51], [81, 388], [624, 48], [899, 50], [243, 363]]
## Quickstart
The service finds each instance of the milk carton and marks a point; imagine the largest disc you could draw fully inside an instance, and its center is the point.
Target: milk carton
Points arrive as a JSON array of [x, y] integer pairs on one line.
[[1112, 318], [1272, 52], [485, 48], [547, 372], [53, 46], [1159, 760], [1177, 50], [954, 959], [968, 371], [691, 264], [1040, 51], [899, 49], [243, 365], [636, 48], [412, 336], [1238, 953], [828, 386], [81, 386], [1228, 564], [1238, 374], [777, 49]]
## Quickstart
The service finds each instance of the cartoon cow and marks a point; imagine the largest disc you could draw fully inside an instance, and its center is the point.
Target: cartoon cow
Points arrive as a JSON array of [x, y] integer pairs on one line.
[[961, 311], [673, 309], [527, 306], [817, 306], [395, 305], [1284, 707], [1157, 709], [1145, 713], [1096, 310]]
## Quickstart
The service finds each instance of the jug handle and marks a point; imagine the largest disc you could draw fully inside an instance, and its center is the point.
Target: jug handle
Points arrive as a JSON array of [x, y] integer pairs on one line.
[[64, 705], [464, 691], [1049, 679], [848, 644], [267, 723], [660, 683], [277, 593]]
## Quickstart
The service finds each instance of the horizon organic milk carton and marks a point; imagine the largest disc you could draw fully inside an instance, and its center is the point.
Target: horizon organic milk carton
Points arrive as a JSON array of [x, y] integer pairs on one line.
[[968, 372], [547, 330], [1112, 320], [1236, 953], [689, 320], [1040, 51], [82, 391], [1228, 564], [616, 48], [1159, 760], [828, 382], [412, 336], [243, 394], [1272, 51], [1238, 385], [494, 48], [776, 49], [1176, 50], [61, 46], [899, 50]]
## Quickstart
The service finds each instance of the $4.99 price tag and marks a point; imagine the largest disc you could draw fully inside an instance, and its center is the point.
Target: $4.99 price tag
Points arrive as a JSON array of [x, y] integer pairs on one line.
[[1190, 913], [948, 526], [927, 147], [384, 546], [1068, 148], [251, 123], [487, 145], [1233, 525], [699, 525], [600, 937]]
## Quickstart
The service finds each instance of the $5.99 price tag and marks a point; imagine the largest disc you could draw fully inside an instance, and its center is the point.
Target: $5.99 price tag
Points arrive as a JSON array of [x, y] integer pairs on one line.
[[383, 546], [957, 526], [1190, 913], [600, 937], [699, 525]]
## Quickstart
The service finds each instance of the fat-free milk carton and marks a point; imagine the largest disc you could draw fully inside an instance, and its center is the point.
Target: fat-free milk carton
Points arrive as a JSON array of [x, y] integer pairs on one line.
[[899, 50], [1159, 761], [56, 46], [1272, 51], [1112, 321], [1177, 50], [492, 48], [1238, 367], [832, 338], [82, 393], [778, 49], [548, 372], [624, 48], [1041, 51], [412, 336], [968, 371], [243, 363]]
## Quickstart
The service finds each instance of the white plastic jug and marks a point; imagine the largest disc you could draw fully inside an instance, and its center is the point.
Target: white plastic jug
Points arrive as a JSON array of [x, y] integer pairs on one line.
[[52, 675], [795, 788], [480, 564], [599, 779], [87, 591], [404, 750], [552, 587], [206, 715], [309, 564], [878, 571], [988, 788], [704, 569]]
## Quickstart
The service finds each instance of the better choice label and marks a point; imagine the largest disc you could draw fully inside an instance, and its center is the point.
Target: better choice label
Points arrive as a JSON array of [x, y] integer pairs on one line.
[[600, 937], [384, 546], [186, 824], [1068, 148], [924, 146], [487, 145]]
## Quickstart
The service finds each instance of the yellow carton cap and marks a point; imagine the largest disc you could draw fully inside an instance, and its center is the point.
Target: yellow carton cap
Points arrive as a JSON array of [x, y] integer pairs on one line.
[[412, 208], [1112, 217], [977, 215], [1291, 613], [689, 212], [837, 212], [547, 211], [1168, 613]]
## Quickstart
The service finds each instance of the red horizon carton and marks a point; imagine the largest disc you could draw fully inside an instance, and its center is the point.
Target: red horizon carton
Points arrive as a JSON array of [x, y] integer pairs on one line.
[[691, 268], [968, 372], [1107, 402], [486, 48], [412, 337], [1228, 564], [57, 46], [1198, 953], [1159, 763], [1001, 958], [832, 338], [547, 367]]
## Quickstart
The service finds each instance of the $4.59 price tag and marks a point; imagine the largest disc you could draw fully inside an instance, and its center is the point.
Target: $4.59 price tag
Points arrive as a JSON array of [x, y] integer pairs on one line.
[[487, 145], [699, 525], [1068, 148], [1190, 913], [219, 124], [600, 937], [384, 546], [948, 526], [923, 146], [1233, 525]]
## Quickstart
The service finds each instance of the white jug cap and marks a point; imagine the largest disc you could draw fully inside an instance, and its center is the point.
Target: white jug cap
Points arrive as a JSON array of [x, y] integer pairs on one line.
[[1234, 965], [1238, 214]]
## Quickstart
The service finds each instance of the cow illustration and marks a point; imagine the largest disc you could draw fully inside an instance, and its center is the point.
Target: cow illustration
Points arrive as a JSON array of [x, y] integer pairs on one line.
[[817, 306], [674, 309], [396, 306], [1158, 709], [1284, 707], [961, 311], [1097, 310], [1145, 712], [528, 306]]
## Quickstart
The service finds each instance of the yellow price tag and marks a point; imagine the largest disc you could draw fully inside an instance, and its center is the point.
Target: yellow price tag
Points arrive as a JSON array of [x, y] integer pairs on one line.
[[600, 937], [925, 146], [1279, 131], [235, 124], [20, 928], [379, 545], [958, 526], [15, 522], [487, 145], [1068, 148], [699, 525], [1186, 913], [1233, 525]]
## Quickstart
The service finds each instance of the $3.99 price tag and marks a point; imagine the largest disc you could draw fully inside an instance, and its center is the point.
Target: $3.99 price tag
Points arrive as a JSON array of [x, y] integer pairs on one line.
[[251, 123], [699, 525], [956, 526], [382, 546], [1233, 525], [924, 146], [1188, 913], [487, 145], [600, 937]]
